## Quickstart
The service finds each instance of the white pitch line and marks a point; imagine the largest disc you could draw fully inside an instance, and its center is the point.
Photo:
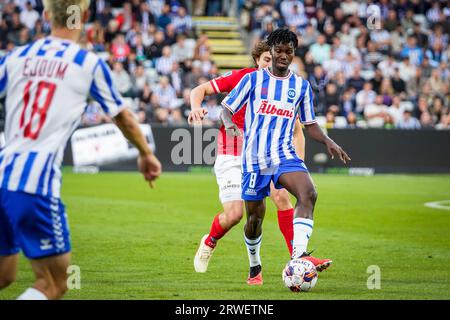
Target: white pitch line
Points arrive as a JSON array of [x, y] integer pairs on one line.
[[438, 205]]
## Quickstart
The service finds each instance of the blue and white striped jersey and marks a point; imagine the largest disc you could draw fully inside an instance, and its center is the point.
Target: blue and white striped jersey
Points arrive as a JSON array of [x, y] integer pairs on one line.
[[273, 105], [47, 84]]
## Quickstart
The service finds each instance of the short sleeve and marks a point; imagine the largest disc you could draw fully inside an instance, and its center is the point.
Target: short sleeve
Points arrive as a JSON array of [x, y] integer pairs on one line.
[[238, 97], [229, 80], [104, 91], [306, 106]]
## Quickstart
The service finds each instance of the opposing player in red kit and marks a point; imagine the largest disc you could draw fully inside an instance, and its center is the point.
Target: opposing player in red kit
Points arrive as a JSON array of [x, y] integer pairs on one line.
[[228, 168]]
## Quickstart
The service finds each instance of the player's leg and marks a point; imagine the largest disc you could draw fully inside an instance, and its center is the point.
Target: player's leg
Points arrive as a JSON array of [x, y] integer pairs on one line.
[[255, 188], [228, 174], [43, 235], [9, 245], [221, 224], [253, 238], [299, 183], [285, 213], [51, 276], [8, 269]]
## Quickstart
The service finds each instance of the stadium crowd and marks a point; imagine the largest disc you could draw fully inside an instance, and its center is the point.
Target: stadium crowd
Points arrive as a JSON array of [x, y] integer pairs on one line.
[[380, 64]]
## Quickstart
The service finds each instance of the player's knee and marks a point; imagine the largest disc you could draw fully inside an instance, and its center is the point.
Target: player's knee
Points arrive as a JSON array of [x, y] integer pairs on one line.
[[234, 215], [311, 196], [282, 200], [6, 280]]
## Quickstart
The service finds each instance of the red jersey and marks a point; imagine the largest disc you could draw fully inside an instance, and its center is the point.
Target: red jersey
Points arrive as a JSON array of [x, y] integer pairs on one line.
[[225, 84]]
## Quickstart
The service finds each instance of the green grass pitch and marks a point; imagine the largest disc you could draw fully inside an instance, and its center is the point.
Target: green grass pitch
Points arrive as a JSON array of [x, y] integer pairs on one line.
[[132, 242]]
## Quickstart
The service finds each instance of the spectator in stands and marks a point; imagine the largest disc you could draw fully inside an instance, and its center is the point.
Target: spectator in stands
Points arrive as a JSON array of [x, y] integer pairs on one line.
[[426, 121], [347, 104], [391, 23], [386, 91], [412, 51], [349, 7], [407, 70], [388, 65], [120, 49], [29, 16], [14, 28], [310, 35], [318, 81], [365, 97], [396, 109], [182, 21], [165, 62], [436, 82], [408, 121], [186, 105], [156, 48], [176, 78], [180, 50], [331, 98], [356, 81], [438, 108], [145, 104], [164, 101], [96, 36], [170, 35], [201, 47], [164, 19], [121, 79], [139, 80], [145, 16], [376, 113], [320, 50], [296, 18]]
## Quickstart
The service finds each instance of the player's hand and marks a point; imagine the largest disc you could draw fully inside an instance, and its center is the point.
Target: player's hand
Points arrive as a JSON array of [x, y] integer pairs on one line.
[[335, 149], [150, 167], [233, 130], [197, 115]]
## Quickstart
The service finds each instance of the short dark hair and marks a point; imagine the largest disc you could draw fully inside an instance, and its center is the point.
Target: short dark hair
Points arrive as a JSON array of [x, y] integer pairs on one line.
[[282, 36]]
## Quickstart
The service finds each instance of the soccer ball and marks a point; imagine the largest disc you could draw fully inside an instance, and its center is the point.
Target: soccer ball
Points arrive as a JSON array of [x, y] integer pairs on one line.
[[299, 275]]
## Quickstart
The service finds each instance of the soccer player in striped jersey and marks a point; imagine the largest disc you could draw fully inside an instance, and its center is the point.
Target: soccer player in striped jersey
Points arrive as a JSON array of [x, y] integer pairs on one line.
[[228, 163], [47, 84], [275, 97]]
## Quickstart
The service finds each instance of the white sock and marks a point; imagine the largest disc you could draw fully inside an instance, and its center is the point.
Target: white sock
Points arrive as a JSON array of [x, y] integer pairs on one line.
[[302, 232], [32, 294], [253, 246]]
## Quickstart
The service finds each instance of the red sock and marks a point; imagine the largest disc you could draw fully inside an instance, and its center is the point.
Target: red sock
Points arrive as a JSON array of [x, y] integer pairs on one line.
[[285, 222], [215, 233]]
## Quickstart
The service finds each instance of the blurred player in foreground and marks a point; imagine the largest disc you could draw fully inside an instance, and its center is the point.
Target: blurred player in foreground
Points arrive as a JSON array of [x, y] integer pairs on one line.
[[46, 85], [275, 97], [228, 163]]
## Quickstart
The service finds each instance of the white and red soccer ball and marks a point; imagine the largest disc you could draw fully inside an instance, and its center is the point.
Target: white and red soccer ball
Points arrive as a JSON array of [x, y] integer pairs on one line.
[[299, 275]]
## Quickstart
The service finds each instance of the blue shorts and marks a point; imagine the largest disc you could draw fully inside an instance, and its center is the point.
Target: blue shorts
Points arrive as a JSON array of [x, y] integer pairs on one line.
[[256, 184], [35, 224]]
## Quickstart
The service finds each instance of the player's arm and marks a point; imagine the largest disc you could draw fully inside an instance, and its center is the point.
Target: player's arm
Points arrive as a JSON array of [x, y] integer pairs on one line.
[[197, 95], [105, 93], [307, 117], [299, 139]]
